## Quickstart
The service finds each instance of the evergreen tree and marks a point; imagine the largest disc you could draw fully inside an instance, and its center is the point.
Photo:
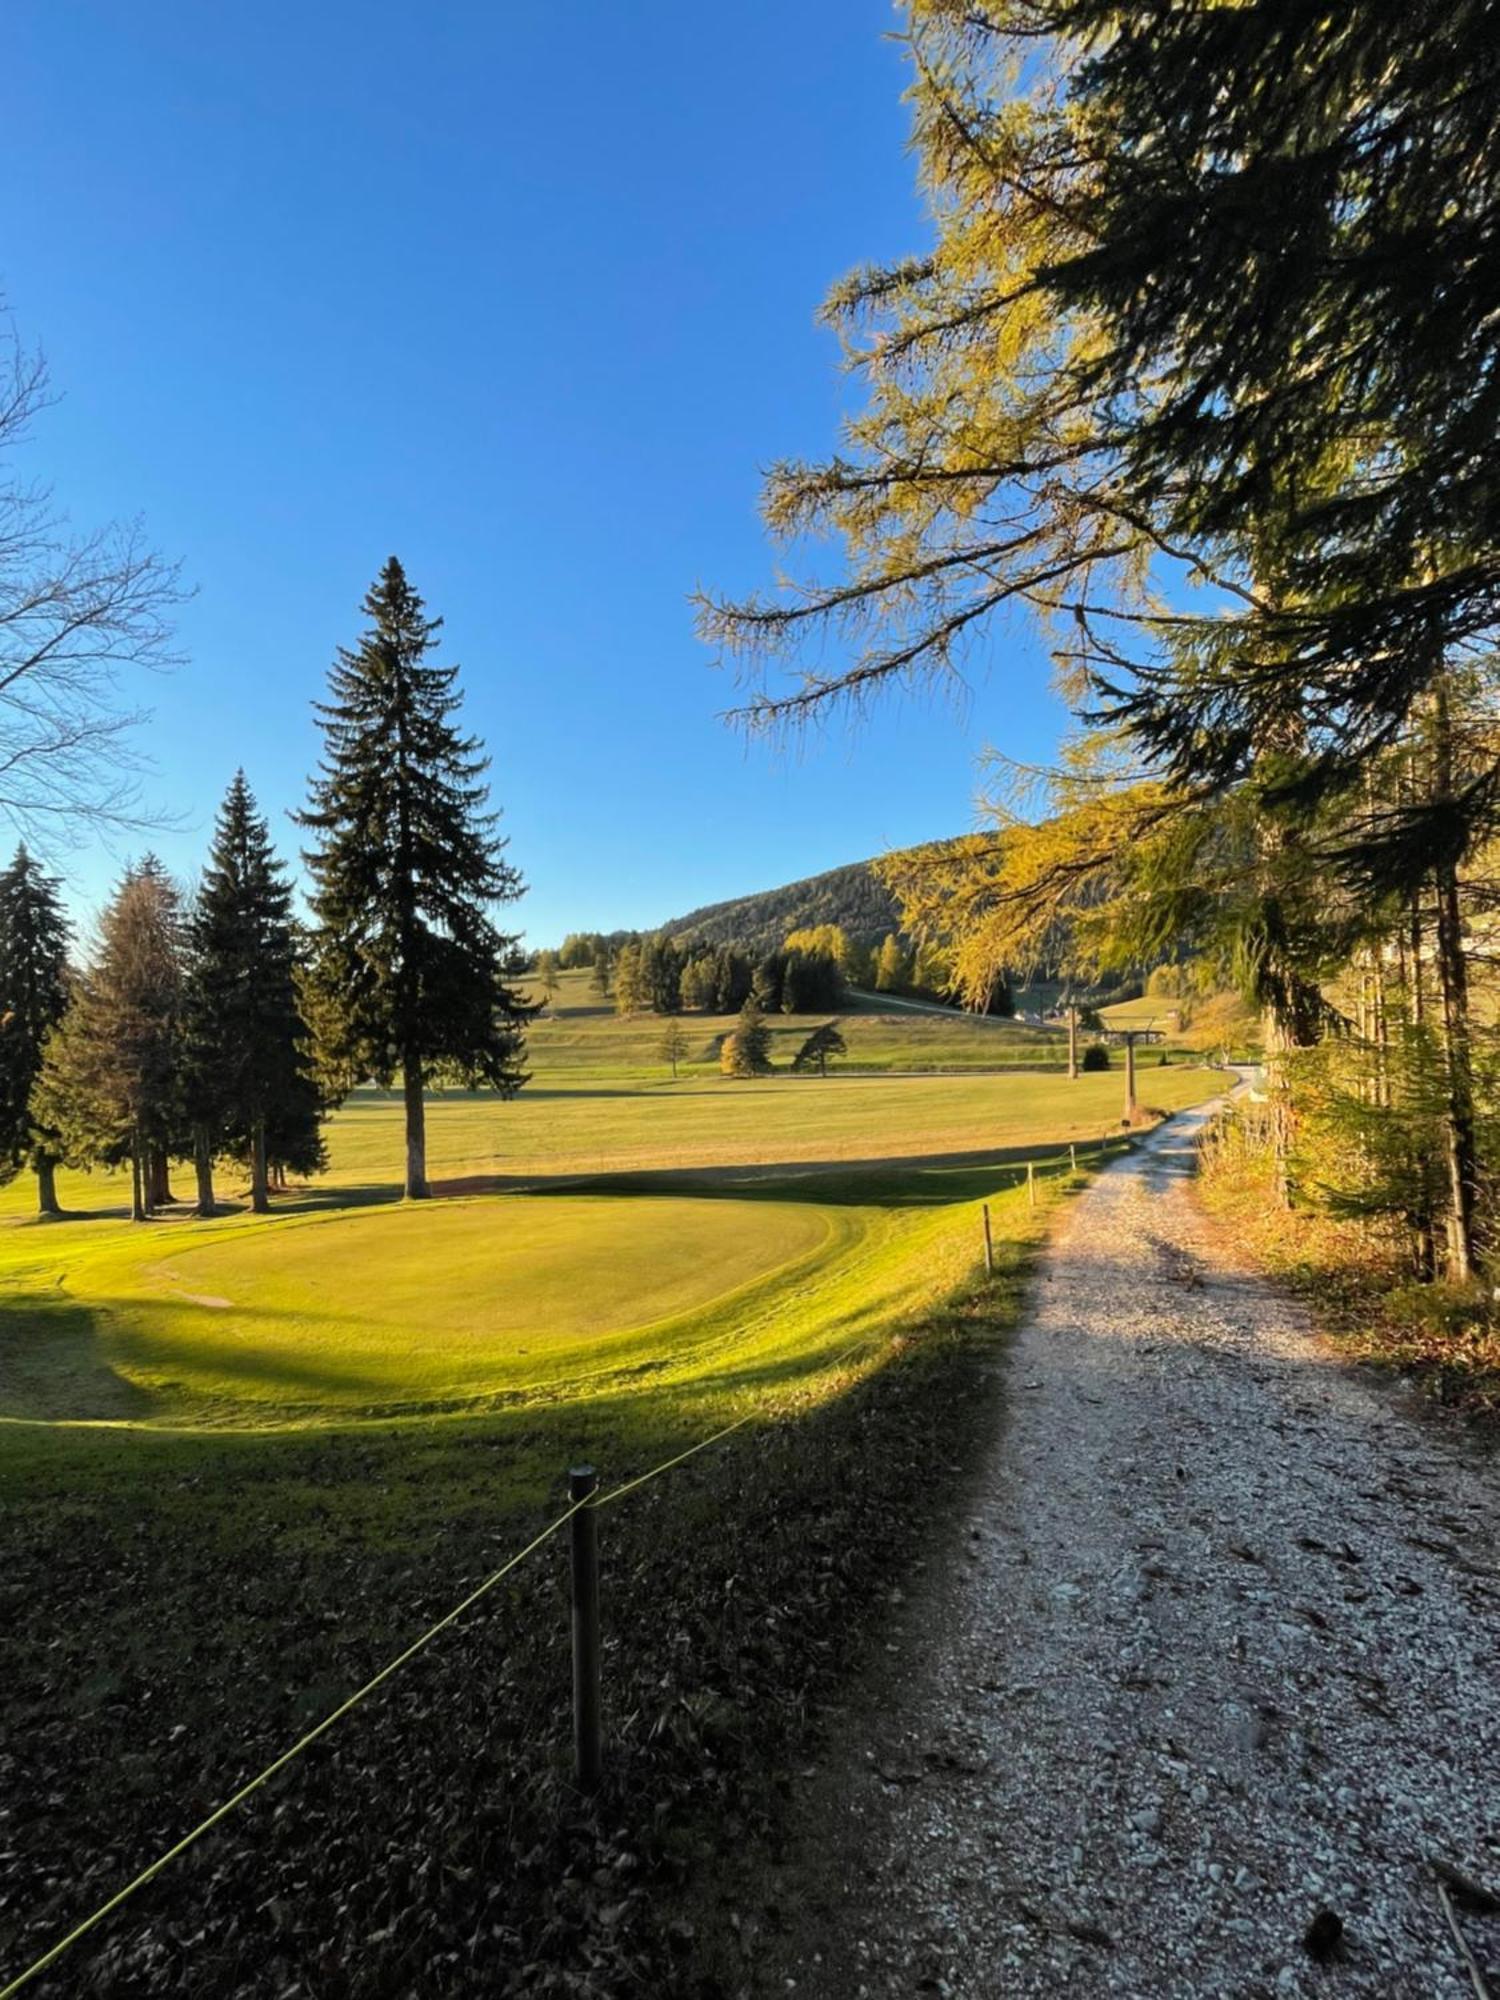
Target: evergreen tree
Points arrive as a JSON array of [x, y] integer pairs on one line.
[[33, 999], [673, 1046], [747, 1052], [732, 980], [546, 974], [766, 982], [820, 1045], [406, 871], [697, 987], [111, 1077], [249, 1083]]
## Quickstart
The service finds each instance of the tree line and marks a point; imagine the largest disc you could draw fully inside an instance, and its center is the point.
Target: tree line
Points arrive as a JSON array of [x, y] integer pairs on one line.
[[218, 1027], [811, 971], [1205, 378]]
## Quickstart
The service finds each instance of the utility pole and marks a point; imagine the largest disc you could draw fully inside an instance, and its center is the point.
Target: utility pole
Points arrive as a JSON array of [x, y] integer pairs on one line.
[[1130, 1103]]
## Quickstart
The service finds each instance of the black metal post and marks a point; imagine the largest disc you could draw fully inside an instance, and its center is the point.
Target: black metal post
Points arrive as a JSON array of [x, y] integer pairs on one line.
[[989, 1245], [588, 1761]]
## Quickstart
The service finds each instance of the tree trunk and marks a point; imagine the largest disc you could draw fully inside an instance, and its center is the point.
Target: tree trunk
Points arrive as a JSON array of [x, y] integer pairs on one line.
[[1275, 1041], [137, 1182], [260, 1196], [46, 1187], [1460, 1139], [417, 1188], [159, 1178], [203, 1167], [1461, 1146], [1130, 1103], [1072, 1041]]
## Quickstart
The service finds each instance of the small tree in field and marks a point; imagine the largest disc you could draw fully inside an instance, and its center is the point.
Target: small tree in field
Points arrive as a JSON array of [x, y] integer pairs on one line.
[[820, 1045], [547, 974], [747, 1052], [673, 1046], [407, 870]]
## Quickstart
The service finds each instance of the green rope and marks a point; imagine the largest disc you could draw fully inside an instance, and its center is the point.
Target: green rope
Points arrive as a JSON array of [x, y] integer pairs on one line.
[[263, 1777], [146, 1875]]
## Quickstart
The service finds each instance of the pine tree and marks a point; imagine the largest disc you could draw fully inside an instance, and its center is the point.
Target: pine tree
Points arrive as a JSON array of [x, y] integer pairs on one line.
[[673, 1046], [697, 987], [33, 999], [250, 1086], [406, 871], [747, 1052], [112, 1070], [546, 974], [820, 1045]]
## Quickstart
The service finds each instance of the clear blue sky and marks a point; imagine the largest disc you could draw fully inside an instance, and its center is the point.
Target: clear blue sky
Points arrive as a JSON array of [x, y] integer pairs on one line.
[[525, 295]]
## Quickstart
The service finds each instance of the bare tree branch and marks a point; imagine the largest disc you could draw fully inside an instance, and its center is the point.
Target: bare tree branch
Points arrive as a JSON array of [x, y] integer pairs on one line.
[[80, 617]]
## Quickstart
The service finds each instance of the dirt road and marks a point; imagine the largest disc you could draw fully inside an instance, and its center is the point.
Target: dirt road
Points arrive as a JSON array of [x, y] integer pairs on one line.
[[1220, 1658]]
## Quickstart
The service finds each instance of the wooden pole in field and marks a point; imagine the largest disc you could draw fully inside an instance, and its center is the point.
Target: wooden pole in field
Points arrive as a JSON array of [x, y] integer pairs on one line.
[[1031, 1184], [989, 1244], [1130, 1104], [588, 1756], [1072, 1042], [1072, 1157]]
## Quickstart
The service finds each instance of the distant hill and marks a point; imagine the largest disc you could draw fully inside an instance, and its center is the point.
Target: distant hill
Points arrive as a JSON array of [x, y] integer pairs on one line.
[[850, 896]]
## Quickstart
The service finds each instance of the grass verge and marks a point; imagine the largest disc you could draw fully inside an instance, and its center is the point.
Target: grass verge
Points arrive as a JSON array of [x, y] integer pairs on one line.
[[178, 1613], [1444, 1339]]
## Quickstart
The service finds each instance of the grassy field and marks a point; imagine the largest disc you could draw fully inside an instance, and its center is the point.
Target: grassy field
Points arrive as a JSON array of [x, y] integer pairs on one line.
[[595, 1240], [580, 1036], [243, 1461], [1147, 1012]]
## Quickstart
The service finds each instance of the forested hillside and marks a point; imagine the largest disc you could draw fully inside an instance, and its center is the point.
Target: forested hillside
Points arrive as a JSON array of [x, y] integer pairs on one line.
[[850, 897]]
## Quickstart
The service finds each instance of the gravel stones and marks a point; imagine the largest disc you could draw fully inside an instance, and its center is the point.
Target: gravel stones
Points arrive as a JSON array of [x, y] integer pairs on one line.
[[1220, 1674]]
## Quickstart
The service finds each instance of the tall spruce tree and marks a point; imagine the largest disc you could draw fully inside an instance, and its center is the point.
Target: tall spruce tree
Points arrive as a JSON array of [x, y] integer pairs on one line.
[[111, 1079], [406, 871], [250, 1087], [33, 999]]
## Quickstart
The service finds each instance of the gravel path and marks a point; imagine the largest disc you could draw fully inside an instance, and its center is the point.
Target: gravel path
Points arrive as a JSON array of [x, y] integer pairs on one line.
[[1225, 1654]]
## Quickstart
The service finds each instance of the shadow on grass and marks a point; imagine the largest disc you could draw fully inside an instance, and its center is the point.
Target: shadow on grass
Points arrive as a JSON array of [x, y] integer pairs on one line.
[[57, 1367], [916, 1180], [53, 1365]]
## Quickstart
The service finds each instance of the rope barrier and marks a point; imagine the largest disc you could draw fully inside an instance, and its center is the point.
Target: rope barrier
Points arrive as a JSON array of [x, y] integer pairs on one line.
[[253, 1785], [263, 1777], [247, 1791]]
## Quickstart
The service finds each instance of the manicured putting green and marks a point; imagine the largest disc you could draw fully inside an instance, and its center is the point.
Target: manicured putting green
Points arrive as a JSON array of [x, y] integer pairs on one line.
[[392, 1308]]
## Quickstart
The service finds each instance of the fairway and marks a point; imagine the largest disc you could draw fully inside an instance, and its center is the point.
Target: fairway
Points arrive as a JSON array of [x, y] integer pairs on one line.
[[708, 1123], [389, 1311], [618, 1239]]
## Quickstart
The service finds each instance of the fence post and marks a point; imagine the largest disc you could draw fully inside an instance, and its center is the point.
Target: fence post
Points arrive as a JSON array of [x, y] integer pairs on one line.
[[583, 1482], [1031, 1183], [989, 1245], [1072, 1156]]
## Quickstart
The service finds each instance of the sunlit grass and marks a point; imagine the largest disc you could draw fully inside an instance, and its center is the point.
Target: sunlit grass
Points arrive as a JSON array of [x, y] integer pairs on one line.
[[622, 1265]]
